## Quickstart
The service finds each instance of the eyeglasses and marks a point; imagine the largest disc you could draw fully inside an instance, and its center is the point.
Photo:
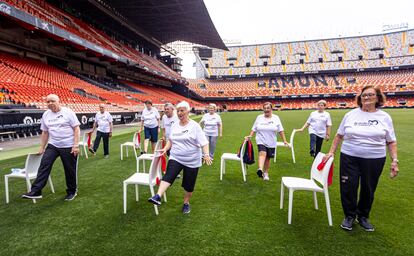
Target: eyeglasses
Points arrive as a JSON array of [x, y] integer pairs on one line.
[[368, 95]]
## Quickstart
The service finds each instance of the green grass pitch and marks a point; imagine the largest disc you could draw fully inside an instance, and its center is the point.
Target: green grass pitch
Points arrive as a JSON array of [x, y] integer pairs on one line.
[[227, 218]]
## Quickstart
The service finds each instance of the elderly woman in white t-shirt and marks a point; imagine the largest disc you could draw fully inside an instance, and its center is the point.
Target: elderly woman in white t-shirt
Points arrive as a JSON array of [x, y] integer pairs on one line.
[[365, 133], [188, 145], [319, 123], [266, 126], [213, 127]]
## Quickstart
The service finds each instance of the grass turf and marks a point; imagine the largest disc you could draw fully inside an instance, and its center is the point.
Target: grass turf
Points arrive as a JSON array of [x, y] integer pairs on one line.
[[228, 218]]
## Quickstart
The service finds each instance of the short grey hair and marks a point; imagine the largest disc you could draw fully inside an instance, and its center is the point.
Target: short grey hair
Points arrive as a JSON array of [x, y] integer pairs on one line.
[[168, 104], [184, 104]]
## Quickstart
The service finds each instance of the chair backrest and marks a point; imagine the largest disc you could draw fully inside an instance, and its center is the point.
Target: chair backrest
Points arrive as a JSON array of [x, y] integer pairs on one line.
[[32, 163], [155, 169], [158, 145], [137, 143], [321, 176], [84, 137], [242, 150]]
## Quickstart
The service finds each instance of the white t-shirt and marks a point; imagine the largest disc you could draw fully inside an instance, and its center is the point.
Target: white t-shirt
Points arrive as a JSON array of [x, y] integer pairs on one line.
[[211, 123], [150, 117], [366, 133], [167, 122], [60, 127], [317, 123], [186, 143], [103, 121], [266, 129]]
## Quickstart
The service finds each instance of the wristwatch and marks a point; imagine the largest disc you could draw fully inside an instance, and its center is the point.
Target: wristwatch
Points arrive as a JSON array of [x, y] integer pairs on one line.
[[395, 160]]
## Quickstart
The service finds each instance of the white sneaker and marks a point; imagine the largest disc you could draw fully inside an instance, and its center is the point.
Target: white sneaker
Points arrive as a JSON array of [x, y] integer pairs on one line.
[[266, 176]]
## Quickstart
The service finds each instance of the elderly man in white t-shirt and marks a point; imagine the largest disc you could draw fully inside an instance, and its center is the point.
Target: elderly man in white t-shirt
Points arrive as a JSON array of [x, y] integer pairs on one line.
[[60, 138], [104, 125]]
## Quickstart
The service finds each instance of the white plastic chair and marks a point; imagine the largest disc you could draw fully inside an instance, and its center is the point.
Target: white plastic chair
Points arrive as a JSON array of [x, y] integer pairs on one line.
[[84, 145], [234, 157], [147, 179], [28, 173], [132, 144], [147, 156], [281, 144], [294, 184]]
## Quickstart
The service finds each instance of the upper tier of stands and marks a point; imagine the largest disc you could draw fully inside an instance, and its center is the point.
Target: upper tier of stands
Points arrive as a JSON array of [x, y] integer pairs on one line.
[[42, 10], [402, 101], [388, 81], [26, 81], [384, 50]]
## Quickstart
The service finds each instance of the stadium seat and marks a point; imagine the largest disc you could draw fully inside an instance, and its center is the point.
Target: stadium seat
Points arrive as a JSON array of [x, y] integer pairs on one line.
[[28, 173], [317, 176]]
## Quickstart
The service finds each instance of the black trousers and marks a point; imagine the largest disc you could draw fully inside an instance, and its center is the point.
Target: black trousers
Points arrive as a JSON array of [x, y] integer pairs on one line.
[[355, 171], [105, 137], [190, 175], [315, 144], [46, 164]]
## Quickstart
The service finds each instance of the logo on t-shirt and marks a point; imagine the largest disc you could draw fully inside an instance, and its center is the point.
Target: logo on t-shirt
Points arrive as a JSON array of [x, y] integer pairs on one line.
[[267, 123], [368, 123], [185, 131]]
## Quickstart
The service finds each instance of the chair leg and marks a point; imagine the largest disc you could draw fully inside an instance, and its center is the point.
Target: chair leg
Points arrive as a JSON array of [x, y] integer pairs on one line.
[[328, 208], [6, 186], [293, 155], [152, 194], [165, 197], [290, 206], [51, 184], [126, 149], [136, 193], [125, 197], [222, 166], [29, 187], [274, 159], [282, 194], [122, 153], [315, 200], [243, 171]]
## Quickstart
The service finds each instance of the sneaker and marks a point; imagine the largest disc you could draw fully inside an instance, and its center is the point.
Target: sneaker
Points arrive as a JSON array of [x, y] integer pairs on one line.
[[347, 223], [266, 176], [364, 223], [32, 195], [106, 156], [186, 208], [92, 151], [155, 199], [259, 173], [70, 197]]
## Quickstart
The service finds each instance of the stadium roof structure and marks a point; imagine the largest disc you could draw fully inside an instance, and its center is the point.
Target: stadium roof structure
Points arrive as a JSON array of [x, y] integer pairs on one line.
[[162, 21]]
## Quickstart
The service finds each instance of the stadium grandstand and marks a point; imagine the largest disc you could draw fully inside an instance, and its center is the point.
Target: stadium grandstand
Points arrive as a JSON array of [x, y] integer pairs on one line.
[[91, 57], [289, 74]]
